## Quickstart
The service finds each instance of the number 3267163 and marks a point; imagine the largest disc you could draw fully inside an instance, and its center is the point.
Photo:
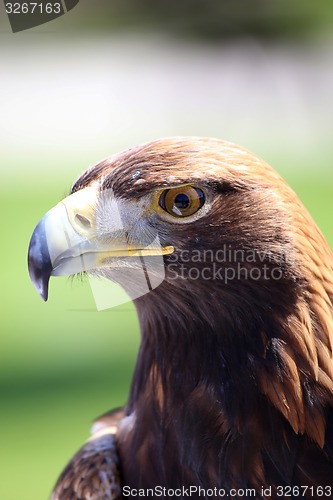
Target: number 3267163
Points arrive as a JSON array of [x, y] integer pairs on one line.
[[33, 7]]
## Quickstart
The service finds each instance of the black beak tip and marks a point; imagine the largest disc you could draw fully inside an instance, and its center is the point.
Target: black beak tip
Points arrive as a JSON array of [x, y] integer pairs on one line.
[[39, 262], [39, 279]]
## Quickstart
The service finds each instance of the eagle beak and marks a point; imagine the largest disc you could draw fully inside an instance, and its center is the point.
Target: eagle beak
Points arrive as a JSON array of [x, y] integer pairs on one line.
[[67, 240]]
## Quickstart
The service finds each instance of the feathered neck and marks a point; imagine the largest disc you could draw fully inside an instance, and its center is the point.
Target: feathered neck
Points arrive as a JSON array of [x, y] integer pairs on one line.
[[216, 387]]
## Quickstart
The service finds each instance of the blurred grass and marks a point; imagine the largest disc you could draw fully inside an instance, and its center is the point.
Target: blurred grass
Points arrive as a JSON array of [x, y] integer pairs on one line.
[[63, 363], [219, 19], [210, 20]]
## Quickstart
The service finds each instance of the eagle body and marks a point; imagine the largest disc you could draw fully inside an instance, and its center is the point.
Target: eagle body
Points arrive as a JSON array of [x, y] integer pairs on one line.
[[233, 385]]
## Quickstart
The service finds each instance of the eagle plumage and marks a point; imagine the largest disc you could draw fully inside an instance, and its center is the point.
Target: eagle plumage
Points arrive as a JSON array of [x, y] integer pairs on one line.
[[233, 386]]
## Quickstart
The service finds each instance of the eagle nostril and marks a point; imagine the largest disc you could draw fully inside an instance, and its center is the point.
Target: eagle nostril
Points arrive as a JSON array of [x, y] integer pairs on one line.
[[82, 221]]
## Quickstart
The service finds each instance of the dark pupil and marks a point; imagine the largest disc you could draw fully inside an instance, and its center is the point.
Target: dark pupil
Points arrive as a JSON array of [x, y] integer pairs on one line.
[[182, 201]]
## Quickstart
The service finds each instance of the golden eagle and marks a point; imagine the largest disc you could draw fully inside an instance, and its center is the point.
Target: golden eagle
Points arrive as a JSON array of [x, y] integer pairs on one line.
[[233, 386]]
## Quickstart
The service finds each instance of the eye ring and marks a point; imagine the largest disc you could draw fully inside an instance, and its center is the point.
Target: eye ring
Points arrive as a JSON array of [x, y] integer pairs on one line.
[[182, 201]]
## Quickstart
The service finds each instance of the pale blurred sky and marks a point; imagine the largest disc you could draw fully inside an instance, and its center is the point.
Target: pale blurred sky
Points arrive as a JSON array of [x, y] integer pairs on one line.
[[74, 100]]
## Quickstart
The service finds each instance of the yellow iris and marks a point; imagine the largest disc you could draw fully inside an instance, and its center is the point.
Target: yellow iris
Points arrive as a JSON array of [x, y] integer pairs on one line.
[[182, 201]]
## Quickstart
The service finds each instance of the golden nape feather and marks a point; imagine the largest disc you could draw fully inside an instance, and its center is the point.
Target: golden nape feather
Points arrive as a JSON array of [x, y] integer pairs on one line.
[[233, 385]]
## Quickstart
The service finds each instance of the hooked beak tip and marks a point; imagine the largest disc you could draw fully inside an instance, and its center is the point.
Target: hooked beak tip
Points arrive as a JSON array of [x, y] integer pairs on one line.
[[39, 279], [39, 262]]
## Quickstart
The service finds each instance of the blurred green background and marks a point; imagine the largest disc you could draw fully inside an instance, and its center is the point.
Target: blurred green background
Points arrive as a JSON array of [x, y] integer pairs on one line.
[[104, 77]]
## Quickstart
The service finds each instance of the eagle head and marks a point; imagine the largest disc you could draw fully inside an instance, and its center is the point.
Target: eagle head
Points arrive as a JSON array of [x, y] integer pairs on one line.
[[237, 322]]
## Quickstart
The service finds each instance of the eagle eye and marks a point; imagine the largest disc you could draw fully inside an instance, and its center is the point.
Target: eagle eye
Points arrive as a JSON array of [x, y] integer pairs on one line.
[[182, 201]]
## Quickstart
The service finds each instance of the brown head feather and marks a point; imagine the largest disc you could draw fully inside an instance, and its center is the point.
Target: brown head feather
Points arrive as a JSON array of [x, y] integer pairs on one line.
[[234, 381]]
